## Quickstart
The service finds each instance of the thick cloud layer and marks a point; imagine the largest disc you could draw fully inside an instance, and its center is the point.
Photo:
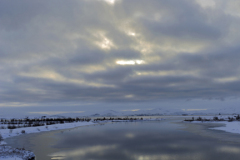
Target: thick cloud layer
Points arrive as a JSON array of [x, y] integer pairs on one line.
[[118, 50]]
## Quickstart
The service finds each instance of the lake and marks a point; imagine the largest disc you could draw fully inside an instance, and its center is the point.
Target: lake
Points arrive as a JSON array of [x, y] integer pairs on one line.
[[170, 139]]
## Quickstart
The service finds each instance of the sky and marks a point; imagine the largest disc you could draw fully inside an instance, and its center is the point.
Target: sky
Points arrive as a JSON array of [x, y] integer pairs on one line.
[[119, 54]]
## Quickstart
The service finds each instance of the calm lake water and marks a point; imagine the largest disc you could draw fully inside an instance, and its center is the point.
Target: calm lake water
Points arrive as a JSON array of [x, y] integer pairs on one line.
[[170, 139]]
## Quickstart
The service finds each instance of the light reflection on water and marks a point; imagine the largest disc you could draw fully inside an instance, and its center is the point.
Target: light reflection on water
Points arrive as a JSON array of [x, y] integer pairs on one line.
[[81, 152], [160, 140]]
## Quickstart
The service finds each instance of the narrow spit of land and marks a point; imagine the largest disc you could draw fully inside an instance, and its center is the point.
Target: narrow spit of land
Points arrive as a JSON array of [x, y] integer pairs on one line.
[[214, 119], [232, 122], [14, 127]]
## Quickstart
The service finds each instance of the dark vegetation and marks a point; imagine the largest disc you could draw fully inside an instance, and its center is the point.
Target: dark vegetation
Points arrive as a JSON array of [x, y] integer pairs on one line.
[[229, 119], [117, 119], [27, 122]]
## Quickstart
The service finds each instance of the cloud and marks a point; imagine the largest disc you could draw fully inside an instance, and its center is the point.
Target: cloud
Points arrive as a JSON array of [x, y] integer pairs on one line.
[[62, 51]]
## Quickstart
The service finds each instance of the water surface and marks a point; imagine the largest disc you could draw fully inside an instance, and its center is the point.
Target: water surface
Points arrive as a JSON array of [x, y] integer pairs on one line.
[[151, 140]]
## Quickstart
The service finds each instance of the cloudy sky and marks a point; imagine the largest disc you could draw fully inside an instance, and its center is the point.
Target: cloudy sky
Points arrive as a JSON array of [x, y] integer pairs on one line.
[[119, 52]]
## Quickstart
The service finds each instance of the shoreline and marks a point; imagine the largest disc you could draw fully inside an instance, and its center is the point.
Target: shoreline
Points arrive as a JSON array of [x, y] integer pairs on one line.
[[232, 123], [9, 153], [230, 127], [8, 133]]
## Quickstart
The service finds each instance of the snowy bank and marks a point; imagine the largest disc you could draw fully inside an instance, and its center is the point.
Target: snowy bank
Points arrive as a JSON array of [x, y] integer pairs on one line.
[[18, 131], [8, 153], [232, 122], [232, 127]]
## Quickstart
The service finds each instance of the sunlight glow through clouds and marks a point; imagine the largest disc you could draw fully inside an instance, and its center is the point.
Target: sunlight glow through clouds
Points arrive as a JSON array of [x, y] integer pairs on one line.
[[54, 76], [130, 62], [132, 34], [110, 1], [226, 80], [86, 50], [103, 42]]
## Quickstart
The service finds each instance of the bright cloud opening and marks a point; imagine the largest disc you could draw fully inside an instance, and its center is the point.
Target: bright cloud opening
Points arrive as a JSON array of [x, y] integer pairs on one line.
[[130, 62], [103, 41], [226, 80], [131, 34], [110, 1], [105, 44]]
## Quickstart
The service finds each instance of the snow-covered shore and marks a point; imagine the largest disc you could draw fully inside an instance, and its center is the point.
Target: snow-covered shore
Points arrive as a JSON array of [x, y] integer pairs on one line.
[[232, 127], [229, 126], [18, 131], [8, 153]]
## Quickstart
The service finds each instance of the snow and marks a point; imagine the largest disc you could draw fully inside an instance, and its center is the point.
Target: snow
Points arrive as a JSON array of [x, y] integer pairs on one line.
[[15, 132], [8, 153], [232, 127], [12, 158]]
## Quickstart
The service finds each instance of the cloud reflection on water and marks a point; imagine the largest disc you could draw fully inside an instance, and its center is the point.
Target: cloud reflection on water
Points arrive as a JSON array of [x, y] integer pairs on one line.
[[140, 141], [99, 150]]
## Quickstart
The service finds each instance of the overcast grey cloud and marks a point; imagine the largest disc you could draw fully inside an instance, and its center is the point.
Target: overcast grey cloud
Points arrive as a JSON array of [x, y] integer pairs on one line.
[[118, 51]]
